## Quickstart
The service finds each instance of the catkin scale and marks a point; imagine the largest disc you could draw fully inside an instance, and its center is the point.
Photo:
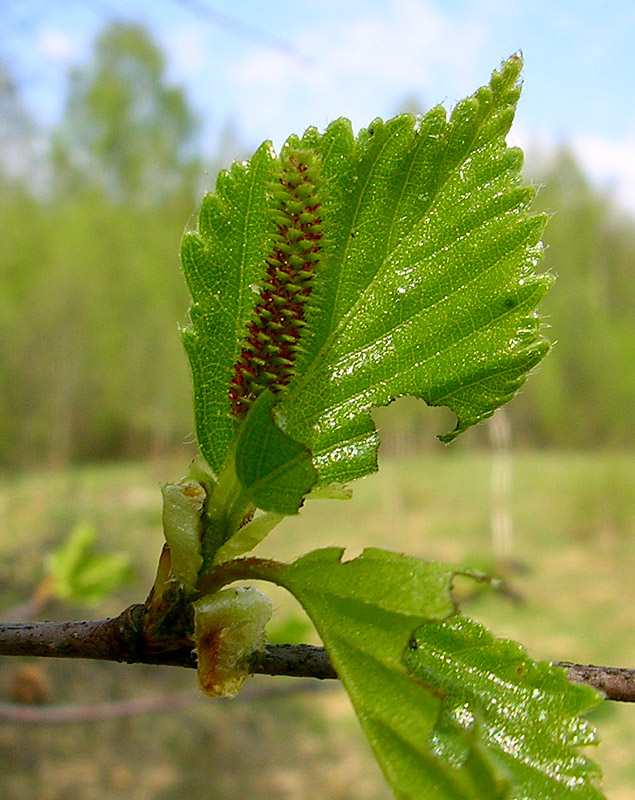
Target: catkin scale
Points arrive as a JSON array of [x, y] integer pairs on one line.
[[271, 342]]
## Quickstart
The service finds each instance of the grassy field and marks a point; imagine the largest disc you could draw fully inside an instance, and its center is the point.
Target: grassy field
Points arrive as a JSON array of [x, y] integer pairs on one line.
[[572, 596]]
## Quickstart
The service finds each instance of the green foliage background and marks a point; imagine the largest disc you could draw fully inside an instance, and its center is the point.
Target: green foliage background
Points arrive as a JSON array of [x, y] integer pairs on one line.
[[91, 364]]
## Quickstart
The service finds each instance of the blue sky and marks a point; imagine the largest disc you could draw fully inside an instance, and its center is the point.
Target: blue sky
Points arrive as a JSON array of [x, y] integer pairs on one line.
[[274, 68]]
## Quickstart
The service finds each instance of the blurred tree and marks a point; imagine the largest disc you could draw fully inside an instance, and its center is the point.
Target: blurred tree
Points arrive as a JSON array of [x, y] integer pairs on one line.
[[126, 131], [114, 380], [91, 364], [585, 390], [17, 134], [17, 204]]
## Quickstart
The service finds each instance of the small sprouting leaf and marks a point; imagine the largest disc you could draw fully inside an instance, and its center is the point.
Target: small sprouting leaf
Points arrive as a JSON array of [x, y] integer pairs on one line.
[[82, 575], [526, 712], [365, 610], [275, 471], [247, 537]]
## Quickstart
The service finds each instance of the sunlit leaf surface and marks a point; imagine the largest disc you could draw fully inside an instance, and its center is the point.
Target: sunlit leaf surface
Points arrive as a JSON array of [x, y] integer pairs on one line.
[[526, 712], [365, 611], [428, 284], [450, 711], [425, 284]]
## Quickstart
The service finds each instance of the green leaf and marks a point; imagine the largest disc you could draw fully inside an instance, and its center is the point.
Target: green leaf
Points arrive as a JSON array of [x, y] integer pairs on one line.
[[81, 575], [526, 712], [275, 471], [264, 468], [427, 287], [222, 262], [424, 285], [365, 611], [450, 711]]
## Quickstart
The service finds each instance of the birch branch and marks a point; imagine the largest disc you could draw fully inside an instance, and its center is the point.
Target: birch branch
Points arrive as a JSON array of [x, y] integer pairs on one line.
[[121, 639]]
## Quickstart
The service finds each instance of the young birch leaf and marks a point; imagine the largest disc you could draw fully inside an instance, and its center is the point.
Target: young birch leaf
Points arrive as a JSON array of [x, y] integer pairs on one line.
[[450, 711], [222, 262], [526, 712], [365, 611], [400, 262], [275, 470], [427, 285]]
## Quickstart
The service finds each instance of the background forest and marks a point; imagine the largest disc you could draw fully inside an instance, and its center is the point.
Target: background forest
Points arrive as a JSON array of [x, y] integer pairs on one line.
[[91, 295]]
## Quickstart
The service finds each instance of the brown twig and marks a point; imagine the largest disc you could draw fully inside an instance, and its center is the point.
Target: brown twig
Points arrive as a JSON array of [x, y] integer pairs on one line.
[[617, 683], [115, 639], [121, 639], [297, 660]]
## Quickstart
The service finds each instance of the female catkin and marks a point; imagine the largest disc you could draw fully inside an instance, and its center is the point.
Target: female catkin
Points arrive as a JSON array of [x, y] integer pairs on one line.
[[267, 357]]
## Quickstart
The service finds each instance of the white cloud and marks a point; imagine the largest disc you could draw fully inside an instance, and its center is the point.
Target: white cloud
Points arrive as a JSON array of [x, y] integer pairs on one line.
[[610, 162], [607, 161], [365, 65], [56, 45], [188, 46], [361, 67]]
